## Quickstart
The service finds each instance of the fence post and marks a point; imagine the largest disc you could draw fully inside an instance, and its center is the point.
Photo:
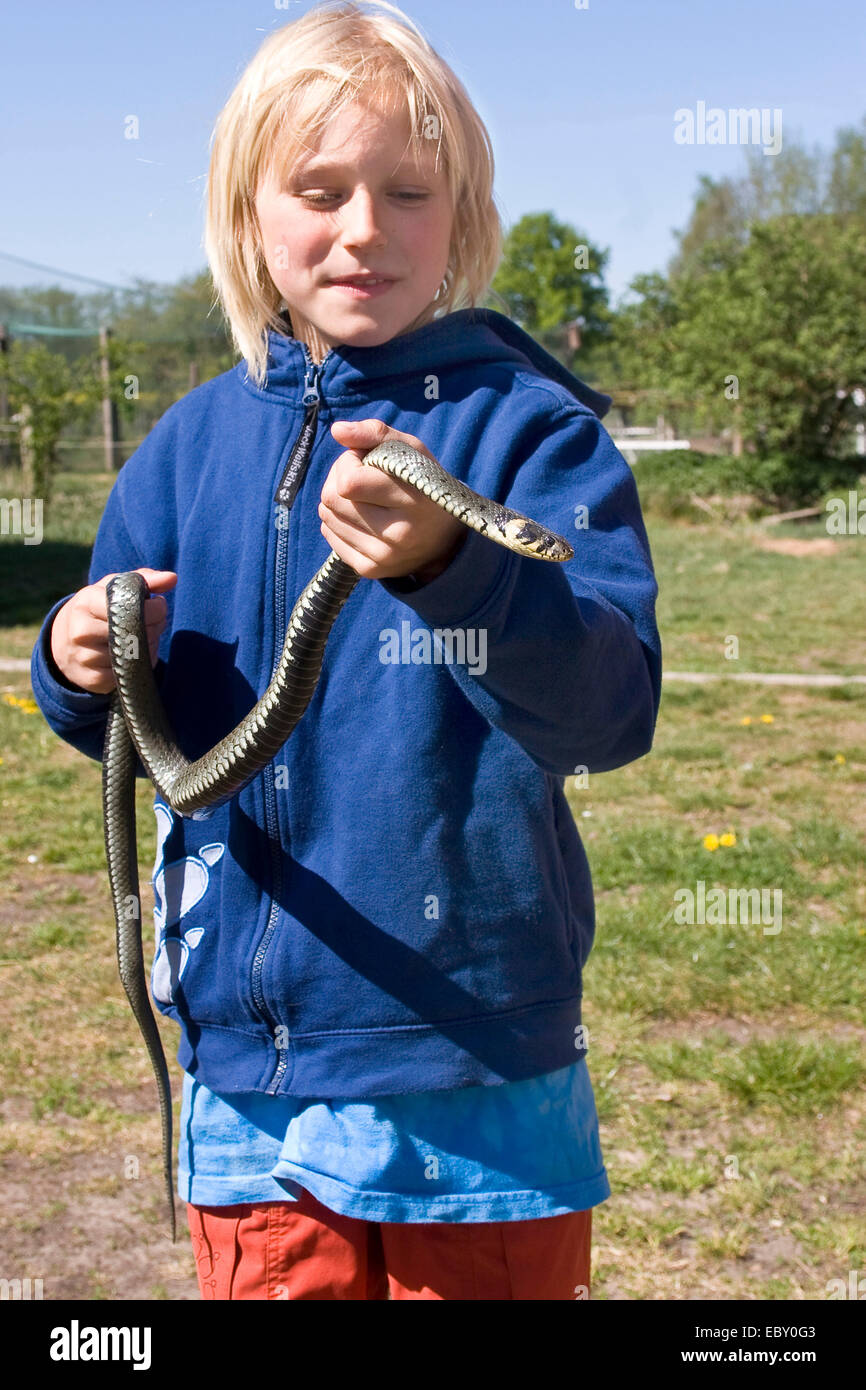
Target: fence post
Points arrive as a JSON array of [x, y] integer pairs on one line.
[[110, 431], [5, 447]]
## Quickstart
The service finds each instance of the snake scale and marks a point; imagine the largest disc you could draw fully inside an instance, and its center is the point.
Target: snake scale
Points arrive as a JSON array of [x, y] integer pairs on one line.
[[137, 722]]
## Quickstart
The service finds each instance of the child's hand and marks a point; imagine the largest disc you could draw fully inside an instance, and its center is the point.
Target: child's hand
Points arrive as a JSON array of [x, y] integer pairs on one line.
[[79, 632], [381, 527]]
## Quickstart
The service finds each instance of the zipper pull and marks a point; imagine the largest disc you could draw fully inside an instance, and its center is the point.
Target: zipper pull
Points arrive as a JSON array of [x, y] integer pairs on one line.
[[311, 383], [299, 458]]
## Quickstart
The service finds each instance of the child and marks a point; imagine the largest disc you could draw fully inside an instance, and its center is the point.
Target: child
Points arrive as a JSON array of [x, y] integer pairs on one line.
[[375, 951]]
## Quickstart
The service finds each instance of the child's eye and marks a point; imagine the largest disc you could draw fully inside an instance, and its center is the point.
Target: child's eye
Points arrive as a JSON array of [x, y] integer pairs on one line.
[[327, 199]]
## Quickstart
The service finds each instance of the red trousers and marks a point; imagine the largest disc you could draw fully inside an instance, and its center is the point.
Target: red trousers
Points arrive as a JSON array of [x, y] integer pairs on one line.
[[264, 1250]]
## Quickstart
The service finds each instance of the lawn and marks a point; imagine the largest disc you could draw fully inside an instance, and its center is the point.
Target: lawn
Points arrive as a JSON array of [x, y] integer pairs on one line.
[[728, 1059]]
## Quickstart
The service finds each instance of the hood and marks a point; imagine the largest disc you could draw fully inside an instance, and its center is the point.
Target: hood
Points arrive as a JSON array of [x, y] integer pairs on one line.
[[483, 336]]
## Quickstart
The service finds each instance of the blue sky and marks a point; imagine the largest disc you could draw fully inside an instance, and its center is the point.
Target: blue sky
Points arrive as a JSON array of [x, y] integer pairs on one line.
[[579, 103]]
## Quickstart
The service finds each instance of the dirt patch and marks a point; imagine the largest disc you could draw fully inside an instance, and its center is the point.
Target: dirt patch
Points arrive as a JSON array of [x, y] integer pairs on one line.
[[742, 1030], [821, 545], [87, 1235], [27, 900]]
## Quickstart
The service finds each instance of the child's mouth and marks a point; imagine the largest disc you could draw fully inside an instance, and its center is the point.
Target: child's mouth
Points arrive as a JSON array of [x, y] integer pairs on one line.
[[362, 287]]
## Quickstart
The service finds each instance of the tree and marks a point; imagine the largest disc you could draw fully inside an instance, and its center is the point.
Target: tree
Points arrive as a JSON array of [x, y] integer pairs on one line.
[[46, 394], [770, 336], [757, 327], [794, 182], [846, 193], [551, 275]]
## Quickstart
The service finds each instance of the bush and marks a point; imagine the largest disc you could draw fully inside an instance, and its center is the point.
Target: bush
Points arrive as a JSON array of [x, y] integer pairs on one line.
[[789, 483], [667, 480]]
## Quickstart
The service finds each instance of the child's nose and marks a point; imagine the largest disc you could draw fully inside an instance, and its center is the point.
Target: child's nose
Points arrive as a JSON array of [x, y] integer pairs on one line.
[[361, 223]]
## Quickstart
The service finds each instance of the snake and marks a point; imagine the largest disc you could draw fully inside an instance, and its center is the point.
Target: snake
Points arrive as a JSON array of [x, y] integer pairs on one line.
[[138, 727]]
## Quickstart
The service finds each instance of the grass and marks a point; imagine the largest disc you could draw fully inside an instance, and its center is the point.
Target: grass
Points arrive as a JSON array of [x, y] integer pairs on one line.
[[798, 613], [728, 1060]]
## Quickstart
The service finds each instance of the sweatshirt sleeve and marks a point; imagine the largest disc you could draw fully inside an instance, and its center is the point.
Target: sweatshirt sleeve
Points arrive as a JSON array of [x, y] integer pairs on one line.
[[571, 666], [78, 716]]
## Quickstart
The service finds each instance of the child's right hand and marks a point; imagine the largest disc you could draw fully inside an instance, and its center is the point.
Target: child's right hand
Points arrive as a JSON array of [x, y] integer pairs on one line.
[[79, 632]]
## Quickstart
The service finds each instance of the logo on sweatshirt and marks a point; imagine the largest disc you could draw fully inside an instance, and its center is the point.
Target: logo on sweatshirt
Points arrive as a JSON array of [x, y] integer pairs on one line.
[[177, 887]]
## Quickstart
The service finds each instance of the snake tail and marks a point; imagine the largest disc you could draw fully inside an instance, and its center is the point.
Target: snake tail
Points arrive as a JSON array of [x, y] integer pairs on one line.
[[118, 789]]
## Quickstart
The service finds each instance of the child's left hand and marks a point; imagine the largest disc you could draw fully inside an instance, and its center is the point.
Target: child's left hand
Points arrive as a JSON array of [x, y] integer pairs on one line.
[[381, 527]]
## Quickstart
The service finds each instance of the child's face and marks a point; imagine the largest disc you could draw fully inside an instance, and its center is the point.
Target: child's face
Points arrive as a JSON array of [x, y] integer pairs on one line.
[[358, 205]]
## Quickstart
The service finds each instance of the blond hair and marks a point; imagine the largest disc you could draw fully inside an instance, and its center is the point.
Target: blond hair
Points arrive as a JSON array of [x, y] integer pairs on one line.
[[298, 80]]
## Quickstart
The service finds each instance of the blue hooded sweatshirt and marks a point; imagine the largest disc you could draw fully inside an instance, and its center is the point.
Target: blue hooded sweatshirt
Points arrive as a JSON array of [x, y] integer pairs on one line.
[[401, 901]]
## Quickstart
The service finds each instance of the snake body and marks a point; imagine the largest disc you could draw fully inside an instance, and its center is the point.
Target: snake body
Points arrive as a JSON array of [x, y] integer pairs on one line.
[[137, 722]]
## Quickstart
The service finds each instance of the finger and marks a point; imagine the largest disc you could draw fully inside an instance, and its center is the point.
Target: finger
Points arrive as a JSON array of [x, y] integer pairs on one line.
[[158, 581], [366, 434], [343, 489], [363, 561], [155, 609], [94, 663], [347, 522], [348, 479], [88, 642], [361, 435], [392, 526]]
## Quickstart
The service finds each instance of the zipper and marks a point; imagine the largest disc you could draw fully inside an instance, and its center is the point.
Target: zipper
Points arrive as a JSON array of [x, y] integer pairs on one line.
[[287, 490], [299, 458]]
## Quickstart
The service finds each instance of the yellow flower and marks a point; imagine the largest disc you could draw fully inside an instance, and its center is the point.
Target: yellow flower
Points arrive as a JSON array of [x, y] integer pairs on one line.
[[839, 758], [27, 705], [729, 838], [766, 718], [746, 719], [711, 842]]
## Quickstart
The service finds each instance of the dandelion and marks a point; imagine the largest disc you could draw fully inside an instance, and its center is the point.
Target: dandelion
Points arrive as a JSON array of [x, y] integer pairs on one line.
[[27, 705], [839, 758], [746, 719], [729, 838], [711, 842], [767, 718]]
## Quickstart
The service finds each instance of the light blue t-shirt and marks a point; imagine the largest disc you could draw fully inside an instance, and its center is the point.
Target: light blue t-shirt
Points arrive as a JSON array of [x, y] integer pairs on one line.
[[517, 1152]]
